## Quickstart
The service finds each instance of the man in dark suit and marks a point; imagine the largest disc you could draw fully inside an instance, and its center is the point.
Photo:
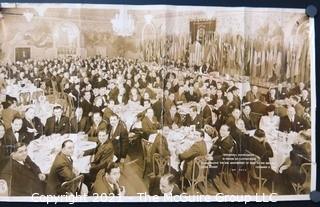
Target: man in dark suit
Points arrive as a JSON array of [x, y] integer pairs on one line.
[[103, 155], [150, 125], [157, 107], [61, 170], [231, 103], [32, 126], [80, 123], [297, 106], [305, 99], [107, 181], [97, 124], [281, 92], [292, 122], [171, 118], [193, 118], [86, 104], [224, 144], [259, 146], [253, 95], [119, 137], [247, 118], [23, 176], [13, 135], [58, 123], [199, 148], [164, 185], [205, 111]]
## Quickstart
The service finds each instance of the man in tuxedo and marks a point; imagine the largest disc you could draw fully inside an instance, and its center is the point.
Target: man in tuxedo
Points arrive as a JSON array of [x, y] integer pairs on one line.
[[103, 155], [305, 99], [172, 119], [32, 126], [258, 145], [199, 148], [86, 104], [97, 124], [247, 118], [281, 92], [107, 181], [297, 106], [205, 111], [224, 144], [193, 118], [58, 123], [13, 135], [119, 137], [231, 104], [23, 176], [61, 170], [164, 185], [80, 123], [157, 107], [232, 118], [253, 95], [179, 96], [150, 125], [292, 122]]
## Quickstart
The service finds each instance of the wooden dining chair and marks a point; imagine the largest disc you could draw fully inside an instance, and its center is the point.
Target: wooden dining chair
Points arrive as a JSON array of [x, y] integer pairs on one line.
[[25, 98], [74, 185], [252, 174], [199, 174], [160, 164], [305, 169], [146, 146]]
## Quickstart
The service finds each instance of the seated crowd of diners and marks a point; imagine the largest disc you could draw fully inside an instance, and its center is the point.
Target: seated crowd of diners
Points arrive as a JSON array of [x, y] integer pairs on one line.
[[91, 87]]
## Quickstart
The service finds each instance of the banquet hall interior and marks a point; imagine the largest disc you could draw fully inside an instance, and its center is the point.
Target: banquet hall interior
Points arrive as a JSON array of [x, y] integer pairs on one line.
[[178, 99]]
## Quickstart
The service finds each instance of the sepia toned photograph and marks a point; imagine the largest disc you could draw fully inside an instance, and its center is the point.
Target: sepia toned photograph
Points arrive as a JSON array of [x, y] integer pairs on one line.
[[155, 100]]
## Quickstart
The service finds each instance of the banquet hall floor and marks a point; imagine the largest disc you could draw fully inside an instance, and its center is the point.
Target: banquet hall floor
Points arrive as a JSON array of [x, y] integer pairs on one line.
[[132, 170]]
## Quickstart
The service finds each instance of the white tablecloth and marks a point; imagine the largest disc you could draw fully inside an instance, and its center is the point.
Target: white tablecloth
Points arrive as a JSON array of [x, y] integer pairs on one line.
[[44, 150], [182, 138], [281, 144], [14, 90], [128, 113]]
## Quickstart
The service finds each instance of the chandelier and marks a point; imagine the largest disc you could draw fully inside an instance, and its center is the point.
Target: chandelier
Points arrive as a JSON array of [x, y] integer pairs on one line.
[[123, 23]]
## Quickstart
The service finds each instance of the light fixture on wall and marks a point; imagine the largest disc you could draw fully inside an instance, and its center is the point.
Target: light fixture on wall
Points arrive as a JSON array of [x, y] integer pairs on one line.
[[123, 23], [28, 16]]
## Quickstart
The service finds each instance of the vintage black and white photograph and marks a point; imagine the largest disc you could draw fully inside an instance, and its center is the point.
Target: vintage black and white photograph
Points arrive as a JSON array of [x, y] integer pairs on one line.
[[124, 100]]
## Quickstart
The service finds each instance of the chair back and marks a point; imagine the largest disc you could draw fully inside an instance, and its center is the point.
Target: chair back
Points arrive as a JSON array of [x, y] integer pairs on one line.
[[25, 98], [146, 146], [71, 186], [160, 164], [200, 169], [37, 94], [306, 170], [252, 167]]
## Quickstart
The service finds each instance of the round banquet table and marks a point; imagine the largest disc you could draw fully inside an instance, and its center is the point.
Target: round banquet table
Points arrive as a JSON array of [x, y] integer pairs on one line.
[[44, 150], [182, 138]]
